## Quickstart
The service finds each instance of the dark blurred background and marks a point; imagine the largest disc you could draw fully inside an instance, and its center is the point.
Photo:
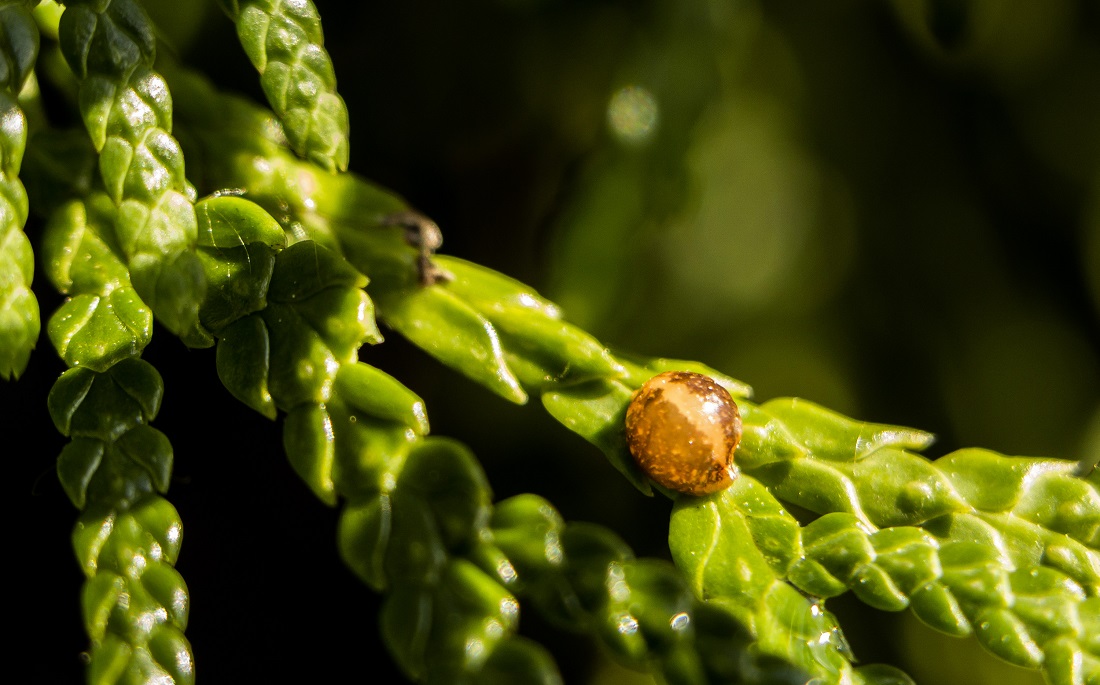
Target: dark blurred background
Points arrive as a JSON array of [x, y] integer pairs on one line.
[[890, 208]]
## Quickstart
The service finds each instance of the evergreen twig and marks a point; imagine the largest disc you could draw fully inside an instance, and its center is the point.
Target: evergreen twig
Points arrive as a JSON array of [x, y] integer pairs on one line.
[[19, 316]]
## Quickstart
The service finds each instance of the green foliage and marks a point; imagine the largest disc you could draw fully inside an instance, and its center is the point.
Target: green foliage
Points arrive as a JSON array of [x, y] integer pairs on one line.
[[980, 567], [128, 558], [19, 318], [493, 329], [127, 110], [280, 266], [285, 43], [643, 610], [127, 540], [103, 320]]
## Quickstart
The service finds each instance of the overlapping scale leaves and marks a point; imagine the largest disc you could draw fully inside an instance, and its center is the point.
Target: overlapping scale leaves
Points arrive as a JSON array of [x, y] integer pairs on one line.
[[116, 465], [1003, 548], [418, 522], [1016, 563], [127, 110], [103, 320], [288, 331], [446, 617], [285, 43], [451, 565], [1018, 566], [583, 576], [914, 533], [494, 330], [128, 537], [237, 244], [1013, 562], [19, 315], [97, 247], [975, 543]]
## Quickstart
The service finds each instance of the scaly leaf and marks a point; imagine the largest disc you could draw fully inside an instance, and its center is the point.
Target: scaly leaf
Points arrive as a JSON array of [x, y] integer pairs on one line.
[[127, 110], [285, 43], [20, 321]]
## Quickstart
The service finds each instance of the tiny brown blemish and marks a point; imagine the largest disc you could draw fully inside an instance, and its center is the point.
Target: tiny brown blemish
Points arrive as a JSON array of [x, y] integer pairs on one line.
[[423, 234], [683, 429]]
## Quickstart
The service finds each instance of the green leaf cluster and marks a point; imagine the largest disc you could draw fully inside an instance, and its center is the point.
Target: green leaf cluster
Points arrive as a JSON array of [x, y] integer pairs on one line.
[[19, 317], [127, 109], [127, 540], [281, 266], [974, 543], [103, 320], [504, 335], [285, 43]]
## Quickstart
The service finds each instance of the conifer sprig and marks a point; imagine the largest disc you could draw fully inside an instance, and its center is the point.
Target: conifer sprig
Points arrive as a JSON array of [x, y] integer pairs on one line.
[[117, 466], [128, 537], [19, 316], [102, 320], [515, 342], [272, 268], [127, 109], [285, 43], [418, 523]]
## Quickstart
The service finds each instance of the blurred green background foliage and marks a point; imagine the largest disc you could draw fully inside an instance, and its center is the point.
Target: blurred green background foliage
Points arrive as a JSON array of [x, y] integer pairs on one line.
[[891, 208]]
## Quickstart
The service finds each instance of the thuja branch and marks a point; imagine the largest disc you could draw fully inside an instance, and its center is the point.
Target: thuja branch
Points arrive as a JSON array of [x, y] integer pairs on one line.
[[117, 465], [418, 524], [494, 328], [19, 316], [103, 320], [504, 335], [1006, 548], [128, 537], [974, 542], [127, 110], [100, 249], [285, 43]]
